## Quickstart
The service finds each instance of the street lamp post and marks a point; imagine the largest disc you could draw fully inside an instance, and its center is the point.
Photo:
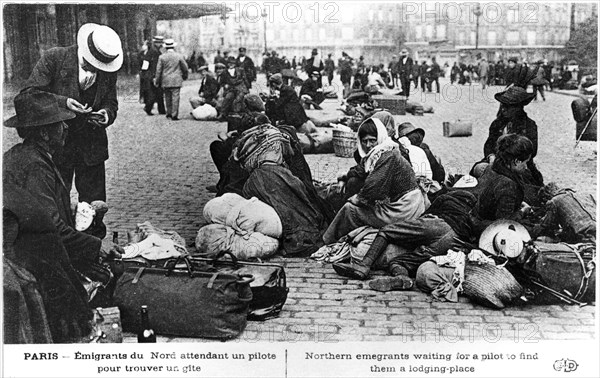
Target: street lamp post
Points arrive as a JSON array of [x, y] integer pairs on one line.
[[477, 12], [264, 16]]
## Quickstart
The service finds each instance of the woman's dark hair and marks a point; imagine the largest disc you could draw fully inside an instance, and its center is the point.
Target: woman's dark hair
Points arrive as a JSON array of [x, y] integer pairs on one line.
[[375, 69], [511, 147], [367, 128]]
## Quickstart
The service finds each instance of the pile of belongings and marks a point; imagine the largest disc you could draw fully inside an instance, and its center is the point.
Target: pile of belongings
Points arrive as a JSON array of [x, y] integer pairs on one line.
[[153, 243], [247, 228], [411, 107]]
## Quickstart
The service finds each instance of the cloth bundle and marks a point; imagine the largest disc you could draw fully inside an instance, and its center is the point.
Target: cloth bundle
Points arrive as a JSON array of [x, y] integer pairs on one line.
[[355, 244], [248, 228], [153, 243], [442, 276], [204, 112]]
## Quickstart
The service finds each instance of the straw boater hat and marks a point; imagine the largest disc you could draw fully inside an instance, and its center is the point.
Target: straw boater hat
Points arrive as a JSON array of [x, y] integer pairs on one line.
[[514, 95], [158, 39], [219, 65], [169, 43], [100, 46], [504, 237], [37, 109]]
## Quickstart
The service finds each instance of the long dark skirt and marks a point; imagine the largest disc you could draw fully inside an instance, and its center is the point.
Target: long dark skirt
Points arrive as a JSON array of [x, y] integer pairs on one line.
[[303, 223]]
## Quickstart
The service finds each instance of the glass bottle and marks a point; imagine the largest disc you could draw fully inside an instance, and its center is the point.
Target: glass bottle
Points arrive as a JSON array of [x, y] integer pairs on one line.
[[146, 334]]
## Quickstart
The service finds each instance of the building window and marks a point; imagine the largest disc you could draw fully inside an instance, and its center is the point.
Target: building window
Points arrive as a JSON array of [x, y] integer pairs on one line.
[[441, 32], [380, 15], [370, 34], [380, 34], [429, 31], [512, 37], [491, 38], [308, 34], [418, 32], [461, 38], [531, 35], [296, 34], [473, 37], [322, 34], [371, 14], [347, 33]]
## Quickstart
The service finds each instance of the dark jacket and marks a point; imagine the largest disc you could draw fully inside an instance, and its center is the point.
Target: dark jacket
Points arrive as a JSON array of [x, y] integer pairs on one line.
[[500, 196], [308, 66], [57, 72], [286, 108], [209, 88], [248, 66], [511, 75], [522, 125], [32, 241], [439, 174], [405, 69], [455, 209], [31, 169], [235, 82]]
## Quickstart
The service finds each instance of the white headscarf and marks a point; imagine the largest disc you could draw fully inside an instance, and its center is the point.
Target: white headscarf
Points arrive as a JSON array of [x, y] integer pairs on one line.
[[418, 158], [384, 144]]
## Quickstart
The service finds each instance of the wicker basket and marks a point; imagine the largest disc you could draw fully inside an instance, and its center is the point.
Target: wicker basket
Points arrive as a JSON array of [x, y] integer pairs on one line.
[[344, 143]]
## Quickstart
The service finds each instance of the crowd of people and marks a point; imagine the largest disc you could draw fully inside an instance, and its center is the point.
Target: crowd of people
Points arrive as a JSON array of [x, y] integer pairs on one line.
[[397, 186]]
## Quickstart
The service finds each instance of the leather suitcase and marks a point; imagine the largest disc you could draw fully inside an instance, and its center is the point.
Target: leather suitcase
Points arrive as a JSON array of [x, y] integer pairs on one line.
[[189, 302], [458, 129], [396, 105], [269, 288]]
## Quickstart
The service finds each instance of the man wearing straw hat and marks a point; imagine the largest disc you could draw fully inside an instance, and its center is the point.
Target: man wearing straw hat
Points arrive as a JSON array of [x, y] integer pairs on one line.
[[155, 94], [83, 77], [171, 71]]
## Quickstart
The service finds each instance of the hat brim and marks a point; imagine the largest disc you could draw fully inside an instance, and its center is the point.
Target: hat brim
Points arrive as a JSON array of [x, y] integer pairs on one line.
[[522, 100], [84, 50], [486, 240], [61, 115]]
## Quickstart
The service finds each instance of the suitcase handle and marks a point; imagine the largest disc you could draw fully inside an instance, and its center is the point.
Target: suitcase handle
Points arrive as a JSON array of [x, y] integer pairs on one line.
[[175, 261], [221, 254], [245, 279]]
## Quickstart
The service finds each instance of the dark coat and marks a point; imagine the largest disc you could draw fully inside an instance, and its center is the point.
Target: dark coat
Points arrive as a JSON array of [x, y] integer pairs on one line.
[[248, 66], [286, 108], [522, 125], [237, 81], [308, 66], [32, 241], [439, 174], [499, 197], [209, 89], [28, 167], [57, 72], [405, 69]]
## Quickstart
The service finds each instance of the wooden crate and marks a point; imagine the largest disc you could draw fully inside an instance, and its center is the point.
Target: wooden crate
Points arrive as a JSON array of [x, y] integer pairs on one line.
[[394, 104]]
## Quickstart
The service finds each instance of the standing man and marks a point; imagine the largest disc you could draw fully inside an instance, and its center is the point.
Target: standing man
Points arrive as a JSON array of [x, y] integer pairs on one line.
[[171, 71], [483, 72], [345, 67], [247, 65], [405, 67], [435, 75], [329, 68], [393, 68], [315, 63], [512, 72], [83, 78], [155, 94]]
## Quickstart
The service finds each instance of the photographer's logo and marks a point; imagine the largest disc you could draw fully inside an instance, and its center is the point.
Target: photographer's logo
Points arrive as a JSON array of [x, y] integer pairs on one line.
[[565, 365]]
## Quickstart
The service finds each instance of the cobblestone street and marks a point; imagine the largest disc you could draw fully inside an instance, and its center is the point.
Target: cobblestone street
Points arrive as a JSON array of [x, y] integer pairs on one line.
[[158, 170]]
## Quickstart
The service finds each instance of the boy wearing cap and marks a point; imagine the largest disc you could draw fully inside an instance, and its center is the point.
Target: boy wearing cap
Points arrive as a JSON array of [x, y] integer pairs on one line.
[[87, 88], [171, 71], [209, 88], [233, 80], [245, 63]]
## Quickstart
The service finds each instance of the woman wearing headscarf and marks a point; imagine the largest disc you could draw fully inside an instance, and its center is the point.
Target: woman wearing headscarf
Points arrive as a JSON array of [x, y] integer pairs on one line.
[[390, 191], [262, 151]]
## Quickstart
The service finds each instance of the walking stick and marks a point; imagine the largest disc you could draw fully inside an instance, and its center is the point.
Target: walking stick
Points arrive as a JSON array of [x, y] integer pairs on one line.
[[586, 126]]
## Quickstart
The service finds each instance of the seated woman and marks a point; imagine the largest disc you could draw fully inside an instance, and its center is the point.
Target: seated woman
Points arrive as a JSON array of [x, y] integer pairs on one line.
[[311, 93], [374, 82], [283, 106], [261, 151], [501, 192], [390, 192]]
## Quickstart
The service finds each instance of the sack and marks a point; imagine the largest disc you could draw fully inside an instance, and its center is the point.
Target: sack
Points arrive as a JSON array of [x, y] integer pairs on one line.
[[457, 129], [564, 268], [269, 287], [195, 102], [190, 301], [204, 112], [253, 215], [490, 285], [580, 108], [214, 238], [217, 209]]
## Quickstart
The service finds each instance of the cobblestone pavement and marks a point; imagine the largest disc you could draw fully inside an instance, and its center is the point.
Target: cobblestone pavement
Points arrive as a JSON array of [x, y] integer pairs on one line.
[[159, 168]]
